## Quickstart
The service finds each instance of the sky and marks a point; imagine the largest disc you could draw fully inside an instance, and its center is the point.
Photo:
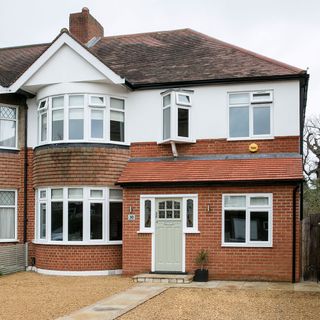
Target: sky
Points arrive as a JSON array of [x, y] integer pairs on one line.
[[286, 30]]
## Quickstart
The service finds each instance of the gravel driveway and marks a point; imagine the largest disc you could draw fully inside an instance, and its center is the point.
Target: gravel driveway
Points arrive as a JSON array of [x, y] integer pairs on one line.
[[193, 303], [31, 296]]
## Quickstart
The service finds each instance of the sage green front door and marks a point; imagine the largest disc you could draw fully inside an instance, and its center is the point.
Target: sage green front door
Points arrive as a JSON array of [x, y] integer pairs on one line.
[[168, 235]]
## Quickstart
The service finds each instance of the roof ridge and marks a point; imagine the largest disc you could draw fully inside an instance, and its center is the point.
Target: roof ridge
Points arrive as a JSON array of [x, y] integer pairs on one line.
[[144, 33], [26, 46], [252, 53]]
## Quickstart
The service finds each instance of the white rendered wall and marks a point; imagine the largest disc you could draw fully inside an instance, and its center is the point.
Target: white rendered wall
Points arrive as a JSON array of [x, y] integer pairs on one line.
[[209, 117]]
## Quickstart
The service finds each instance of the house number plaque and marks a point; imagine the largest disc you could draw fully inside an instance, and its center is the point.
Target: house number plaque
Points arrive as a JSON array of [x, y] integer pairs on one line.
[[131, 217]]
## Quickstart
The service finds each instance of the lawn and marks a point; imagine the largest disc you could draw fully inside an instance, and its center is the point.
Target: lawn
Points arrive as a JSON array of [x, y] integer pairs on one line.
[[205, 304], [31, 296]]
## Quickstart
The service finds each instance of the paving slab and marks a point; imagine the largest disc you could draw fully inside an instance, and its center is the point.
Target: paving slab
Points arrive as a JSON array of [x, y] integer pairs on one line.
[[116, 305]]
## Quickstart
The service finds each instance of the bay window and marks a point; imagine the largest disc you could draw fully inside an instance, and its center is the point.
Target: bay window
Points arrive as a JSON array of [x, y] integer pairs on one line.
[[176, 122], [79, 215], [250, 114], [8, 126], [8, 215], [81, 117], [247, 220]]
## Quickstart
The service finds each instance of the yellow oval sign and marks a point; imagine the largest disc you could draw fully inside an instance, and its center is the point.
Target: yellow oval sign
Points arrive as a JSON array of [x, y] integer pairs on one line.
[[253, 147]]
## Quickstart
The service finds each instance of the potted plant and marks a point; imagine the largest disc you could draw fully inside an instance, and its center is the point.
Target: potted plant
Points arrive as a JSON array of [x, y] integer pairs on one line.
[[201, 275]]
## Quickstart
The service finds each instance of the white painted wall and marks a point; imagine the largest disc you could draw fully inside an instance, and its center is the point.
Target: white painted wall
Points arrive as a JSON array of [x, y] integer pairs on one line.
[[209, 108]]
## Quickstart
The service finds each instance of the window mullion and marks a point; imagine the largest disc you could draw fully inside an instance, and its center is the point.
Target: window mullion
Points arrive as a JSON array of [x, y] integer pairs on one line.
[[65, 214]]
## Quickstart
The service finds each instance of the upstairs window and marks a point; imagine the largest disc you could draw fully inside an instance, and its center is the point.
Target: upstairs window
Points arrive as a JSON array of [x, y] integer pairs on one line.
[[176, 108], [81, 117], [250, 114], [8, 126]]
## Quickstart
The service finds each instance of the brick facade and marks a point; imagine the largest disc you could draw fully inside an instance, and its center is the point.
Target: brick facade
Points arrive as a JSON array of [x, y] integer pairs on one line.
[[224, 262], [215, 146]]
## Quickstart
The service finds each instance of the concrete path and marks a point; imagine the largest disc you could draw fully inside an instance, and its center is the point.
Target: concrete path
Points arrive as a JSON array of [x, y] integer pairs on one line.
[[119, 304]]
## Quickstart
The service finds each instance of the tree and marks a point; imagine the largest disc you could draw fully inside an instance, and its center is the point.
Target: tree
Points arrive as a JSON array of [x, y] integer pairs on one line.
[[311, 165]]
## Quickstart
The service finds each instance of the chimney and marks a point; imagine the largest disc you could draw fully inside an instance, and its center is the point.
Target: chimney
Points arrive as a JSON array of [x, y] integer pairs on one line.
[[84, 27]]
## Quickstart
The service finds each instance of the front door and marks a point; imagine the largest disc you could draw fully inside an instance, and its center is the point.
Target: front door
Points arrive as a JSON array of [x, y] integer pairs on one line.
[[168, 235]]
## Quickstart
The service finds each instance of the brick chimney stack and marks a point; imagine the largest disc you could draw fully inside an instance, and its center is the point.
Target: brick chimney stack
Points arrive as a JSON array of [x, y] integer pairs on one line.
[[84, 27]]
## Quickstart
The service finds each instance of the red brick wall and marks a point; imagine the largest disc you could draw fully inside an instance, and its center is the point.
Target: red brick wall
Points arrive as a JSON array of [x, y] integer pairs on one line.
[[78, 166], [215, 146], [78, 258], [224, 263]]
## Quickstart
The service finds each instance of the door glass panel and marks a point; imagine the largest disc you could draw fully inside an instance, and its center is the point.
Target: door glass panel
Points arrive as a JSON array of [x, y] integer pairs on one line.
[[169, 204], [169, 214], [147, 214], [162, 214], [177, 214], [161, 205], [190, 213]]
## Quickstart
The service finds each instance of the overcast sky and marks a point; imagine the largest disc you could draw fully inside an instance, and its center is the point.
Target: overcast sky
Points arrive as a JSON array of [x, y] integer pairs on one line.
[[286, 30]]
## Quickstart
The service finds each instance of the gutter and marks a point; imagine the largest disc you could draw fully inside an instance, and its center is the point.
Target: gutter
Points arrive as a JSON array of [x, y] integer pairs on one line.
[[294, 232], [25, 177]]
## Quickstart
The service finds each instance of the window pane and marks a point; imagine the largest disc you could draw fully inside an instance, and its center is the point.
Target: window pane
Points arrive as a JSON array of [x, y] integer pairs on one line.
[[166, 123], [182, 98], [234, 226], [56, 221], [183, 122], [96, 221], [259, 201], [76, 101], [97, 100], [116, 126], [117, 104], [96, 194], [57, 102], [7, 198], [75, 193], [235, 201], [7, 223], [75, 221], [189, 213], [97, 124], [43, 194], [259, 226], [43, 104], [166, 100], [76, 124], [43, 220], [261, 120], [115, 221], [239, 98], [8, 113], [258, 97], [43, 126], [147, 214], [239, 122], [7, 133], [115, 194], [57, 125], [56, 193]]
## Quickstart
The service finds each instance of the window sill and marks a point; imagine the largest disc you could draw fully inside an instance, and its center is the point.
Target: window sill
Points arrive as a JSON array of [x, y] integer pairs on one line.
[[8, 241], [249, 245], [251, 138], [76, 243], [191, 232], [145, 231]]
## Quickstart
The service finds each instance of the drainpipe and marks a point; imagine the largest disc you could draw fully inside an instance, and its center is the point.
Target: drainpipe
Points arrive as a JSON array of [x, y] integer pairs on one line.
[[294, 217], [174, 149], [25, 176]]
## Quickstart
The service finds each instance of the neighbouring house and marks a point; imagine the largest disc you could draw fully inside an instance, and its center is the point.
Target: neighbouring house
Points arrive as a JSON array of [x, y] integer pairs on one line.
[[132, 153]]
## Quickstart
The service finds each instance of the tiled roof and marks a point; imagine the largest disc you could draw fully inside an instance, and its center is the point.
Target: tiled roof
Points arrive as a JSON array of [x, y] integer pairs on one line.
[[160, 57], [263, 169]]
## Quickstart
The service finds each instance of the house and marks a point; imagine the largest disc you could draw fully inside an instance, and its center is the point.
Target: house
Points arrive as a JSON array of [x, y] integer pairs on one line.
[[132, 153]]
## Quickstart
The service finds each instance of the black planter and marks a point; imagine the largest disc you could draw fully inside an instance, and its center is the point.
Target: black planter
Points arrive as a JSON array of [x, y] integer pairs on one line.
[[201, 275]]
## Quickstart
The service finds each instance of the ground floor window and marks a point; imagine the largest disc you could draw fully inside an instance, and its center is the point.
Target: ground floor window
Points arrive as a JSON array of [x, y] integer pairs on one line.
[[247, 220], [83, 215], [8, 215]]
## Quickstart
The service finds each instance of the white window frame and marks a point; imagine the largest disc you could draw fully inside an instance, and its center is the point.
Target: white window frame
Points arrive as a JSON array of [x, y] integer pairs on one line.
[[17, 126], [153, 199], [15, 239], [108, 208], [248, 209], [87, 200], [124, 118], [41, 112], [251, 105], [88, 107], [174, 106]]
